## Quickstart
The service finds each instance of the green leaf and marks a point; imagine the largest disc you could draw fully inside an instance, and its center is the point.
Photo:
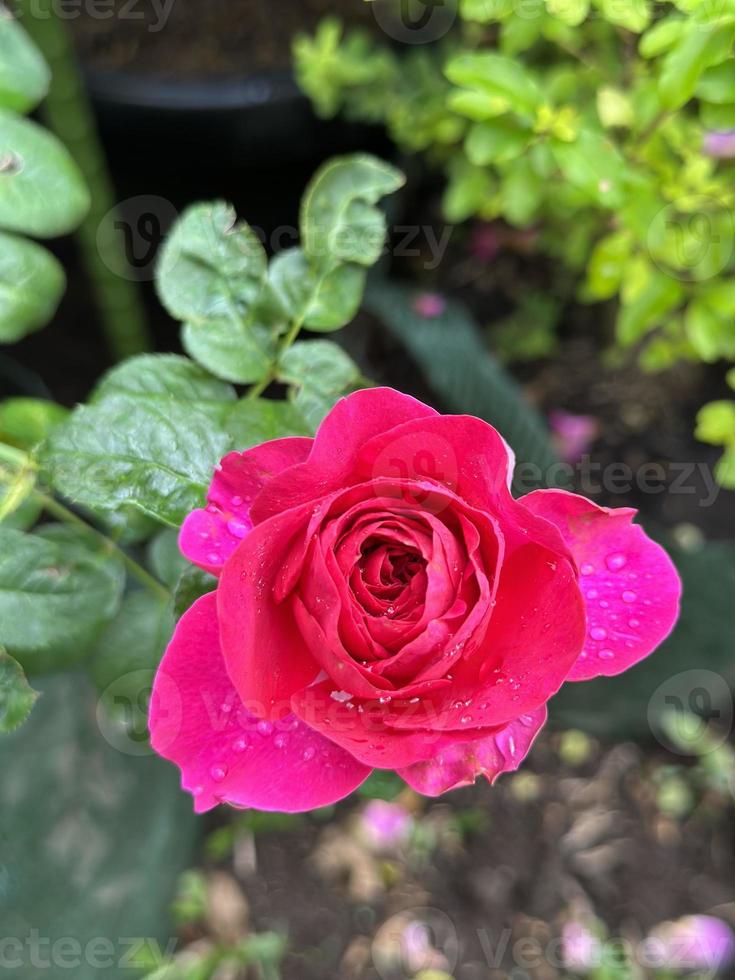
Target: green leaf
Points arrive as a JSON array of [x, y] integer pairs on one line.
[[129, 650], [24, 76], [320, 372], [618, 707], [211, 267], [498, 77], [24, 422], [32, 283], [698, 49], [158, 456], [164, 557], [255, 420], [164, 379], [17, 697], [594, 165], [571, 12], [465, 377], [321, 301], [42, 191], [606, 266], [99, 837], [633, 15], [339, 220], [662, 36], [234, 350], [495, 141], [467, 190], [718, 84], [193, 584], [57, 590], [614, 107], [716, 423], [647, 307], [709, 330], [725, 468]]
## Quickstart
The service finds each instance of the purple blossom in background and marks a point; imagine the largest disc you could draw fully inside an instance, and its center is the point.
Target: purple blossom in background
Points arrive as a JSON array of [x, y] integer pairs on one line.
[[696, 942], [429, 305], [386, 825], [572, 434], [720, 145], [580, 949]]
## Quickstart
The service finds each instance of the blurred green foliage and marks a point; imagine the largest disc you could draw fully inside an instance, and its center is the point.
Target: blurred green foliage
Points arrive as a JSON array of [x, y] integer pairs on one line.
[[608, 127]]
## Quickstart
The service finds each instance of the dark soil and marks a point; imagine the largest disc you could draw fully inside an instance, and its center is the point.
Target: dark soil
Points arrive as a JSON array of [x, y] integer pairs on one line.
[[200, 38], [556, 840]]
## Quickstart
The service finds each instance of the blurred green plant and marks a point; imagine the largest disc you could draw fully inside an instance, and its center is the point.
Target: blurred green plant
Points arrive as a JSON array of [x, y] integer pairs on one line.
[[42, 192], [102, 584], [608, 127]]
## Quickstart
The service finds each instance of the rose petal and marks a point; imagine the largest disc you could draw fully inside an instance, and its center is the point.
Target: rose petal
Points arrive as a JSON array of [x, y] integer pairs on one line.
[[351, 423], [225, 754], [630, 584], [460, 764], [208, 537], [266, 655]]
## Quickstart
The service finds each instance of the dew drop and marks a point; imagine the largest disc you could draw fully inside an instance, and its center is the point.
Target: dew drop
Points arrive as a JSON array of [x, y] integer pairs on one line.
[[629, 596], [606, 654], [592, 594], [465, 719], [512, 745], [587, 569], [280, 741], [598, 633], [616, 561], [237, 501], [634, 623], [213, 558], [240, 744], [218, 773], [197, 791], [308, 754], [341, 697], [238, 529], [265, 728]]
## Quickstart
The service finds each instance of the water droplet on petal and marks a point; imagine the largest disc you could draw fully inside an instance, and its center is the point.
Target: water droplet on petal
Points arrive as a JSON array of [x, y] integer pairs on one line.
[[616, 561], [598, 633], [634, 623], [587, 569], [197, 791], [213, 558], [592, 594], [308, 754], [629, 596], [280, 741], [465, 719], [218, 773], [240, 744], [606, 654], [238, 529], [237, 501], [265, 728]]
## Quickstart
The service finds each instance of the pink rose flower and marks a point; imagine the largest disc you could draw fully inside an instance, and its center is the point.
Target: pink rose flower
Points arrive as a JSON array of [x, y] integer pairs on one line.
[[384, 602]]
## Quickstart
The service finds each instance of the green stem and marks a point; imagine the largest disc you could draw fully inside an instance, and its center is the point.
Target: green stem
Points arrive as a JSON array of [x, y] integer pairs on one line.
[[287, 342], [62, 513], [68, 113], [16, 457]]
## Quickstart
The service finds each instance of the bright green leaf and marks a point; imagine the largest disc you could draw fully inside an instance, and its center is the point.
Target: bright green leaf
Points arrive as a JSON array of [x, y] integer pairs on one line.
[[211, 267], [716, 423], [157, 456], [648, 306], [606, 266], [725, 468], [662, 36], [234, 350], [495, 141], [497, 76], [17, 697], [57, 590], [633, 15], [339, 220], [42, 192], [320, 372], [32, 283], [718, 84], [698, 49], [24, 76], [320, 301], [571, 12], [593, 165], [255, 420], [24, 422], [162, 379]]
